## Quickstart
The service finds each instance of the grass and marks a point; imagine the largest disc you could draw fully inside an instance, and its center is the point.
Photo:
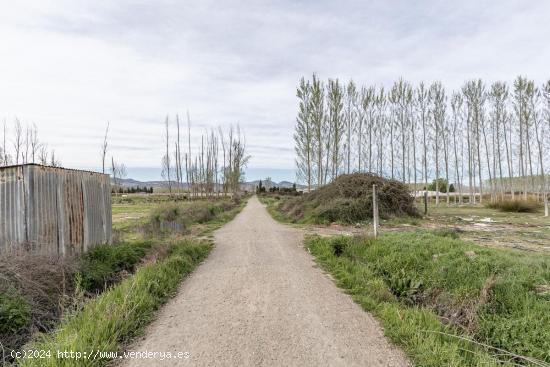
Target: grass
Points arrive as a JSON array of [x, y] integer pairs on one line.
[[187, 214], [272, 204], [101, 266], [199, 217], [113, 318], [433, 293]]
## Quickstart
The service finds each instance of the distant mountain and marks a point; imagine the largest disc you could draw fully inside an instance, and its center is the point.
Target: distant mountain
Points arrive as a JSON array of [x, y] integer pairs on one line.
[[251, 185], [130, 182]]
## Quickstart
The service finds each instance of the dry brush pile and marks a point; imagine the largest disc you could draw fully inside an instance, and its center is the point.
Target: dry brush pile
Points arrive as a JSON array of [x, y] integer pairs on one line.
[[34, 291], [348, 199]]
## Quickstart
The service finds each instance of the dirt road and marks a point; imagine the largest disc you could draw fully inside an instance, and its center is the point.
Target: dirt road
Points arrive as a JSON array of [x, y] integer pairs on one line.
[[259, 300]]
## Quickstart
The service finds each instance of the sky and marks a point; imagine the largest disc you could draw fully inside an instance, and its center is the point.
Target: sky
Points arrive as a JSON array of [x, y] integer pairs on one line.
[[69, 67]]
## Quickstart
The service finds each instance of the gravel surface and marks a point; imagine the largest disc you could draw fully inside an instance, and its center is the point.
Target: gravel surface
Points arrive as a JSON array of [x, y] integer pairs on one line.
[[260, 300]]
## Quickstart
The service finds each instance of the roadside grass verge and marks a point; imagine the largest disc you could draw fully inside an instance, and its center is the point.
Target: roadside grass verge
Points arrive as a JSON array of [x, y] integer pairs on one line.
[[447, 302], [102, 265], [107, 322], [273, 204]]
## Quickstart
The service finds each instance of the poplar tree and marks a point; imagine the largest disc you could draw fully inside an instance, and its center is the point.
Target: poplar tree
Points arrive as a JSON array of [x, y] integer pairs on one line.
[[304, 134]]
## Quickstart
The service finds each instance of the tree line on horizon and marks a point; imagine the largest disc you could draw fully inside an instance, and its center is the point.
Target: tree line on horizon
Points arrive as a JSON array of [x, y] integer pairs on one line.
[[485, 139]]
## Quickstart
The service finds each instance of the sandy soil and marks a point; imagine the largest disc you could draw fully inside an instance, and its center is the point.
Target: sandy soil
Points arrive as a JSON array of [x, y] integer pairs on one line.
[[260, 300]]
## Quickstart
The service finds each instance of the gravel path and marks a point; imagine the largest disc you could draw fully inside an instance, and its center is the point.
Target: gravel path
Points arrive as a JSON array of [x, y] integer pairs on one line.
[[260, 300]]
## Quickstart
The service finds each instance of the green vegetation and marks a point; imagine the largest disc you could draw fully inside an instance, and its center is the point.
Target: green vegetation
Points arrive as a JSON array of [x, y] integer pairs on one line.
[[434, 293], [179, 217], [442, 185], [190, 213], [273, 204], [111, 319], [348, 199], [15, 312], [516, 206], [101, 266]]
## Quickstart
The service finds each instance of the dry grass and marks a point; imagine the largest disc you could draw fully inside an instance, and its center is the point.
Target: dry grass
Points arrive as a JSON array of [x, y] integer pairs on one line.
[[515, 206], [36, 290]]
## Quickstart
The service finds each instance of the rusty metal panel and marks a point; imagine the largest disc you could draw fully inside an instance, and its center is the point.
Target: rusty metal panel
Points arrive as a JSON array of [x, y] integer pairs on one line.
[[53, 210], [12, 201], [107, 209], [42, 215], [72, 207]]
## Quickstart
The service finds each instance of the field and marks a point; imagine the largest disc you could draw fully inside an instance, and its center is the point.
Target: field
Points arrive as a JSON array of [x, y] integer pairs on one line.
[[490, 227], [477, 223]]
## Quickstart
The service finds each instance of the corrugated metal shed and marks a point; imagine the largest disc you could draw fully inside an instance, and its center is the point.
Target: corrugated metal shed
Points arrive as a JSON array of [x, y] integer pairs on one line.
[[52, 210]]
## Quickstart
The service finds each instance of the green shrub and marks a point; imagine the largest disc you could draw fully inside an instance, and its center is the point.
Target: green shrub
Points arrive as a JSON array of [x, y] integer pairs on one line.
[[15, 312], [101, 265], [442, 185], [516, 206]]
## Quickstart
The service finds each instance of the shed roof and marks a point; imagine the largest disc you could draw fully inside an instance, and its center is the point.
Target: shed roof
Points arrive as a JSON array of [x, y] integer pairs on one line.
[[52, 167]]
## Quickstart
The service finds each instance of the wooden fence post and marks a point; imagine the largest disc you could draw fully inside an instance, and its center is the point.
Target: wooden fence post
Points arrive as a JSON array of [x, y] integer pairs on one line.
[[374, 211]]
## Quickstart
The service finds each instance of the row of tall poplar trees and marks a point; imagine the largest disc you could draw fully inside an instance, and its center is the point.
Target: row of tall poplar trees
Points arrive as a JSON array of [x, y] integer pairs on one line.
[[485, 139]]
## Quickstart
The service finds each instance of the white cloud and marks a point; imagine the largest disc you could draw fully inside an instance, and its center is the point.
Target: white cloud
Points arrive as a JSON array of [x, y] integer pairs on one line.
[[71, 66]]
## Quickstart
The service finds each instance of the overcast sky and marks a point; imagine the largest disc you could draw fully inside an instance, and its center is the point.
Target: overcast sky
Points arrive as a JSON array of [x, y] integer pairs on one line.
[[71, 66]]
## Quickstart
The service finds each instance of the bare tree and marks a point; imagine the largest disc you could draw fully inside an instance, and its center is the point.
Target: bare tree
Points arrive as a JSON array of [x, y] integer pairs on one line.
[[336, 125], [18, 141], [166, 162], [522, 90], [5, 156], [54, 161], [350, 121], [104, 148], [118, 170], [543, 130], [422, 103], [364, 122], [35, 143], [188, 158], [179, 165], [474, 93], [380, 125], [437, 95], [318, 119], [43, 155], [498, 96], [303, 135], [456, 106]]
